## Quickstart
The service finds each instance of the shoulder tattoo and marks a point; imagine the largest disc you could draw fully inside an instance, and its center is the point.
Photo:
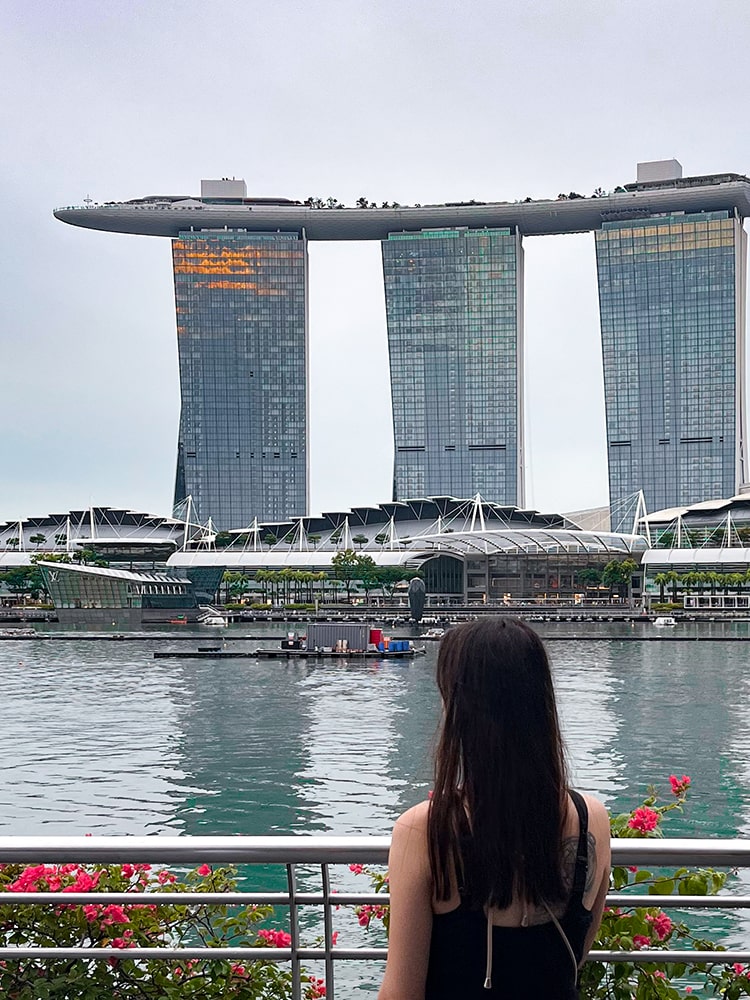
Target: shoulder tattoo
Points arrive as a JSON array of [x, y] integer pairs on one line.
[[569, 852]]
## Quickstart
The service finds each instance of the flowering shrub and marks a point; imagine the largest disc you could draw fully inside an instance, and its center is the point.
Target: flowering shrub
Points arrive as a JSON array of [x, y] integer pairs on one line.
[[136, 924], [631, 929], [368, 912]]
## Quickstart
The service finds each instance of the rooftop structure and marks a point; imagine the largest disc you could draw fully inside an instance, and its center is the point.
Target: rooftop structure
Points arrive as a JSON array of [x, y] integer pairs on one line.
[[114, 533], [169, 215]]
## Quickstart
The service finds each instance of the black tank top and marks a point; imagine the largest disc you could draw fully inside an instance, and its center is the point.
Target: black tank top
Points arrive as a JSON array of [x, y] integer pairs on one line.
[[528, 963]]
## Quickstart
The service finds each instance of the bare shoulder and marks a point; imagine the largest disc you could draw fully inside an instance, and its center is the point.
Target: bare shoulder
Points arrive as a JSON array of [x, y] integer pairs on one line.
[[409, 851], [598, 815], [414, 820]]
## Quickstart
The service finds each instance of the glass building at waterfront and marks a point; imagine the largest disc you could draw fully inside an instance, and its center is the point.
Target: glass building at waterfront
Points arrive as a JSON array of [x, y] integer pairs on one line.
[[241, 302], [672, 306], [454, 306]]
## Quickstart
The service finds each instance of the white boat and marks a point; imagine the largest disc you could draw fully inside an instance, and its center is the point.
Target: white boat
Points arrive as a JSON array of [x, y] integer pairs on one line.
[[217, 620], [665, 621]]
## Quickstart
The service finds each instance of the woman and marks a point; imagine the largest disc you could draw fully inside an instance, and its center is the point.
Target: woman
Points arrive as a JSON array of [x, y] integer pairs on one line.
[[498, 883]]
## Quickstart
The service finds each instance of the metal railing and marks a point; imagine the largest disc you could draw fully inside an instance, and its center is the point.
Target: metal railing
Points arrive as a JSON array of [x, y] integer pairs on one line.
[[323, 852]]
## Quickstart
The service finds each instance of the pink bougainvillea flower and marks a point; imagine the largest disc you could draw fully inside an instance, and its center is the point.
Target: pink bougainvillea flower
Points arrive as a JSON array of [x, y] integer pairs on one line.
[[644, 819], [658, 974], [204, 871], [275, 939], [357, 869], [738, 969], [641, 941], [679, 785], [662, 925], [316, 988], [334, 937], [114, 914]]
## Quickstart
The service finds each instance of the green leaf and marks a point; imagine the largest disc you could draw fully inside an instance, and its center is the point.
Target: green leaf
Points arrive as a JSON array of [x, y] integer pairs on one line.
[[619, 877], [642, 875], [662, 887]]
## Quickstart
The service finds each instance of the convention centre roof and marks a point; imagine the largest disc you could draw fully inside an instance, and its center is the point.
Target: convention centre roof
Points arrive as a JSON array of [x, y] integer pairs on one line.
[[408, 533]]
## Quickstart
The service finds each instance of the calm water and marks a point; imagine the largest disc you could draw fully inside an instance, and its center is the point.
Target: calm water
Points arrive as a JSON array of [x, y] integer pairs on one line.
[[98, 737]]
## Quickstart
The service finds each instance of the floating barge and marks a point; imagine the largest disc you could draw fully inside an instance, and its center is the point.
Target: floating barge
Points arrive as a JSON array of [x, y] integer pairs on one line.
[[330, 640], [290, 654]]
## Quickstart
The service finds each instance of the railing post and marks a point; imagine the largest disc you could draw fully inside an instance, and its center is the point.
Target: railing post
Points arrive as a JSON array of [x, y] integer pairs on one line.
[[327, 930], [291, 877]]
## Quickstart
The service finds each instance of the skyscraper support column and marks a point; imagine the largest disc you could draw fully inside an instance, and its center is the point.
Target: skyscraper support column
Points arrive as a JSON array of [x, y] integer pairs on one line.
[[454, 307], [242, 335], [672, 310]]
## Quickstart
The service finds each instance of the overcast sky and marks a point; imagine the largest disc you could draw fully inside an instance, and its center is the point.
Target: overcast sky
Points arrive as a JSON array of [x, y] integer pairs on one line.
[[412, 102]]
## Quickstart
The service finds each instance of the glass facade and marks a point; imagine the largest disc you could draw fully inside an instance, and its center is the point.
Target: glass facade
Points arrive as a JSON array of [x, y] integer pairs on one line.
[[672, 307], [241, 302], [75, 588], [455, 338]]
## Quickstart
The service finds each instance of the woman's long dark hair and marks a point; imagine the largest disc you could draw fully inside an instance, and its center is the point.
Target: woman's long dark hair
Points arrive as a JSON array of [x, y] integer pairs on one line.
[[499, 802]]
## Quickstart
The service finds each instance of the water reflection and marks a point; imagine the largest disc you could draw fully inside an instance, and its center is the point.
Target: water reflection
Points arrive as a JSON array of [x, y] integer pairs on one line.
[[588, 690], [100, 737], [85, 745]]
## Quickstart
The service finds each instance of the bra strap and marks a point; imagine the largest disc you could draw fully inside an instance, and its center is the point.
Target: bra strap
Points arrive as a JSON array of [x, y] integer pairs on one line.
[[582, 851]]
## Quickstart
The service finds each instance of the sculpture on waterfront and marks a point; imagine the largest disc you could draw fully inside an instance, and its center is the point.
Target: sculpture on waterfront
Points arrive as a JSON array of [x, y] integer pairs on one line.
[[417, 596]]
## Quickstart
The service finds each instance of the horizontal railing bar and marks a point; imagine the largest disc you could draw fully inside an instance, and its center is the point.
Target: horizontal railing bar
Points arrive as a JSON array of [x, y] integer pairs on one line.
[[184, 850], [629, 900], [257, 954], [190, 898], [726, 853], [678, 902], [667, 957]]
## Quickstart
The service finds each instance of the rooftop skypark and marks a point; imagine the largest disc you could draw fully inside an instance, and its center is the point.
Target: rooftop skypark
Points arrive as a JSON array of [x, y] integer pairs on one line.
[[225, 203]]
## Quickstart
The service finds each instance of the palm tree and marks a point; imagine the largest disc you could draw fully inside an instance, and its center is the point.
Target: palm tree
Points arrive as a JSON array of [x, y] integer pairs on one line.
[[673, 578], [735, 580], [661, 580]]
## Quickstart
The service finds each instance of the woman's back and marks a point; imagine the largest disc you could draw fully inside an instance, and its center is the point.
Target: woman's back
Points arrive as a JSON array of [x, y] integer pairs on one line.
[[499, 882], [526, 959]]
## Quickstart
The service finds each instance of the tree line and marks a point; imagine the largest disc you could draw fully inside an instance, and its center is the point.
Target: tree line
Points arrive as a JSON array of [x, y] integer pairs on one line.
[[289, 586], [694, 579]]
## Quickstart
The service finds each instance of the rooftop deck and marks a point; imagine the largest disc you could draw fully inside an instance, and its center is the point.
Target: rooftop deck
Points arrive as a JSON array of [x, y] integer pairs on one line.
[[532, 218]]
